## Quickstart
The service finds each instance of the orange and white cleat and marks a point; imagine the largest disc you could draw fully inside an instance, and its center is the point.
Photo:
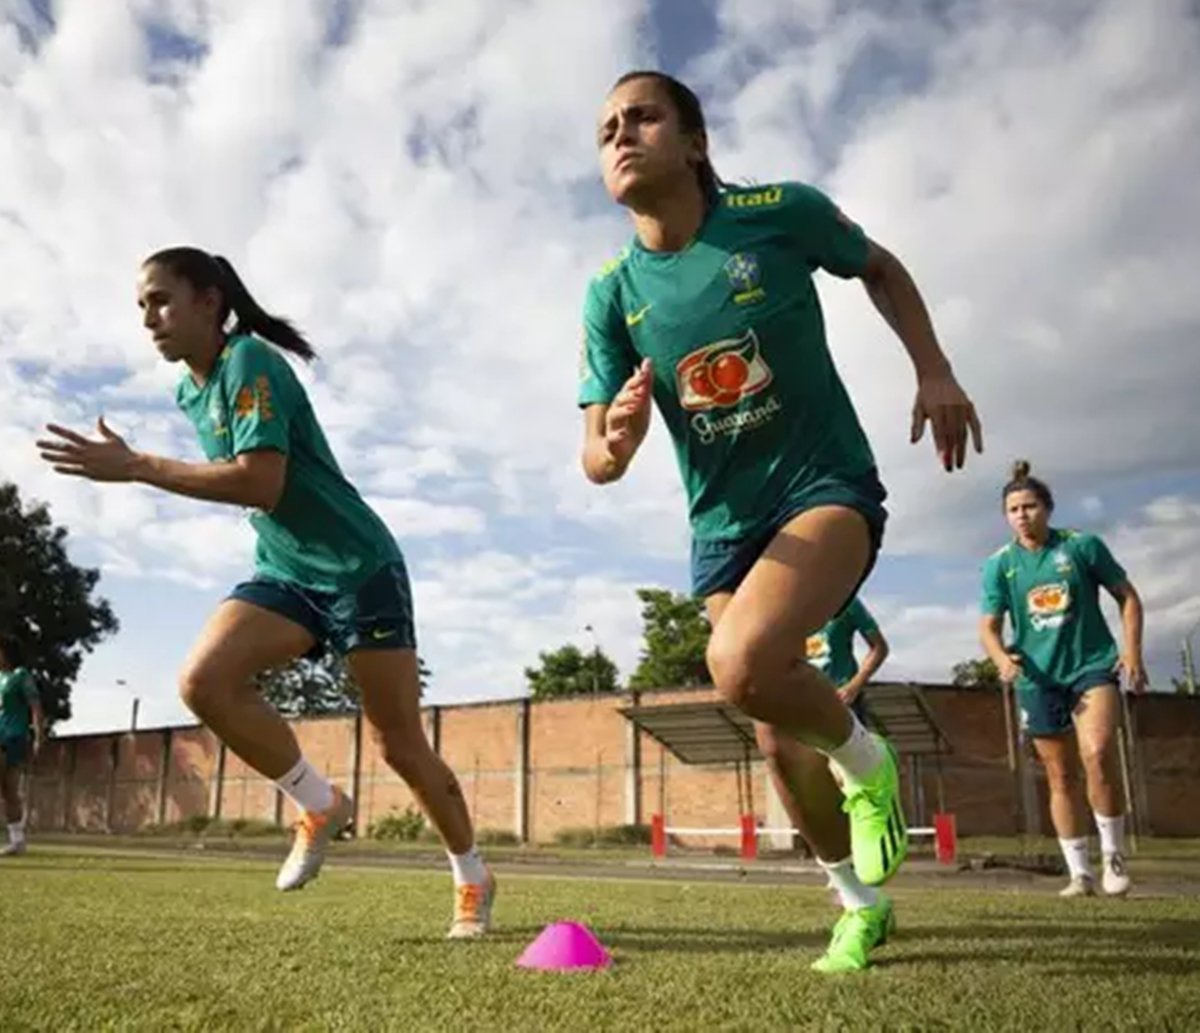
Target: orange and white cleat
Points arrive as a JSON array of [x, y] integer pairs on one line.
[[473, 909], [314, 831]]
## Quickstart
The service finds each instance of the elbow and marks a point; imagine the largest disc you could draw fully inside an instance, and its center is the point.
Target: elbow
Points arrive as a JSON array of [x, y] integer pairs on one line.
[[599, 469]]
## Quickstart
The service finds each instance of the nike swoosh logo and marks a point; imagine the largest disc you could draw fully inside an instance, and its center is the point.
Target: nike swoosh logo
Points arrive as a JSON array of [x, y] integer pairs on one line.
[[636, 317], [382, 634]]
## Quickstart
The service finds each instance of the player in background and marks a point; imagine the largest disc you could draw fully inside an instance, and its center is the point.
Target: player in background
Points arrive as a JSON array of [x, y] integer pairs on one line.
[[1065, 667], [22, 732]]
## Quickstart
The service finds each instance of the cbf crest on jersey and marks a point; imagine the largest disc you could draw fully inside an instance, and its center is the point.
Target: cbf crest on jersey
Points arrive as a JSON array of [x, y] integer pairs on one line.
[[745, 277]]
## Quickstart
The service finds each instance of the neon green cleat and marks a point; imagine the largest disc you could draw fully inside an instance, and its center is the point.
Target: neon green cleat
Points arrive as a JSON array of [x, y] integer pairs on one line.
[[878, 834], [855, 935]]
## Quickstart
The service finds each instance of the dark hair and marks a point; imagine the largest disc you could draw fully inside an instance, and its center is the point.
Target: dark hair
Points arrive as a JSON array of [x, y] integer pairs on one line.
[[691, 120], [203, 271], [1022, 480], [10, 646]]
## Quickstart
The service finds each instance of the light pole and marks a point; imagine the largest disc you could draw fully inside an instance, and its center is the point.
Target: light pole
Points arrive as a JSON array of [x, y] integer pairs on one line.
[[1189, 666], [595, 658]]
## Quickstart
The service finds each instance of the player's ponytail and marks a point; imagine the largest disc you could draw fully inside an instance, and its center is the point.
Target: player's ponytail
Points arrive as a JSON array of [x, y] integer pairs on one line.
[[204, 271]]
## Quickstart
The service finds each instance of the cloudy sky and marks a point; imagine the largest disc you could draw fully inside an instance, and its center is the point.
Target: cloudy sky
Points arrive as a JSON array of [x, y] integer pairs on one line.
[[415, 184]]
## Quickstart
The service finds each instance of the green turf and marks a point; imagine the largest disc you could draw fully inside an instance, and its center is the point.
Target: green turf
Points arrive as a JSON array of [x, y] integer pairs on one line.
[[94, 941]]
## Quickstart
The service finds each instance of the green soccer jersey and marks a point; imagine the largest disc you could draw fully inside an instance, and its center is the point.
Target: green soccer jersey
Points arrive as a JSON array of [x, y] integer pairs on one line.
[[1052, 598], [743, 377], [18, 694], [321, 535], [831, 650]]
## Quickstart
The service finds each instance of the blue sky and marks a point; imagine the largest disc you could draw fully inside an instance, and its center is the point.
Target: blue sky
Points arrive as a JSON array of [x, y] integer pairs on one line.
[[417, 187]]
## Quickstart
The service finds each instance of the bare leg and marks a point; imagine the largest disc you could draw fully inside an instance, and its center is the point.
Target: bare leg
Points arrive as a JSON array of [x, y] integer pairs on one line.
[[807, 572], [1062, 776], [808, 792], [1097, 716], [390, 688], [238, 642]]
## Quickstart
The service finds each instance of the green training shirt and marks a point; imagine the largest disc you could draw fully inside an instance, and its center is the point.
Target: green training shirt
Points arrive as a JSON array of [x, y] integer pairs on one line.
[[1052, 598], [321, 535], [831, 650], [743, 377], [18, 695]]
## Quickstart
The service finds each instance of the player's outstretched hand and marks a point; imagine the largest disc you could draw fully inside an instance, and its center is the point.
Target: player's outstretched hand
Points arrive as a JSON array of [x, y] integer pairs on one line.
[[944, 405], [109, 459]]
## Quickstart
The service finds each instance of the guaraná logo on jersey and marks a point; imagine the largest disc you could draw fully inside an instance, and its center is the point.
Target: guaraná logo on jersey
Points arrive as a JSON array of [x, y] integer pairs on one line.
[[722, 374], [1048, 605], [745, 277], [816, 649]]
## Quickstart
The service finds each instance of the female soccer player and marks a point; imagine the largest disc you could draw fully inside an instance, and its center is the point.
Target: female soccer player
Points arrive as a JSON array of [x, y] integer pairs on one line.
[[328, 571], [1065, 666], [20, 716], [712, 311]]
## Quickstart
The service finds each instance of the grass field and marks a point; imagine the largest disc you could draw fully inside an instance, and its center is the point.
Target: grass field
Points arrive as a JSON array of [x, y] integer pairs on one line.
[[102, 940]]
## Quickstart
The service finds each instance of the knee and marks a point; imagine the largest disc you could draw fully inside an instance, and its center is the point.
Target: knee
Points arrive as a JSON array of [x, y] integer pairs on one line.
[[200, 689], [402, 750], [1061, 778], [205, 689], [734, 668], [1094, 757]]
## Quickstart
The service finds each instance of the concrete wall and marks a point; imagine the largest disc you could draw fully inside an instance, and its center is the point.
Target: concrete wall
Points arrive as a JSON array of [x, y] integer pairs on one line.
[[536, 768]]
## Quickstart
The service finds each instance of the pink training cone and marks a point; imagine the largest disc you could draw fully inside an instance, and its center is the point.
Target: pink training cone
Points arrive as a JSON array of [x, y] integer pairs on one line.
[[563, 946]]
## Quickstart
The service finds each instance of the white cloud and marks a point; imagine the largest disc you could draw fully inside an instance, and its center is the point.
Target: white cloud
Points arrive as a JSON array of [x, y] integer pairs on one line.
[[414, 518], [419, 199]]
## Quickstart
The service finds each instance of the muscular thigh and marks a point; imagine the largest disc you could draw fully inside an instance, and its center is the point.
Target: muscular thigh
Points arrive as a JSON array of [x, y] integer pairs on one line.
[[1096, 717], [241, 639], [803, 578]]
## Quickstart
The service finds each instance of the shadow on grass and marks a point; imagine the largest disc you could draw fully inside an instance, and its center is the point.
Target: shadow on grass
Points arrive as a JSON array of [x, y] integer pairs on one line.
[[642, 939], [1098, 944]]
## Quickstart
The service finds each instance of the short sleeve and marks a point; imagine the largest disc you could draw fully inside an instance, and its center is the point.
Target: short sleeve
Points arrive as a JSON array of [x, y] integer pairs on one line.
[[864, 623], [28, 688], [1099, 560], [832, 241], [994, 599], [263, 397], [607, 358]]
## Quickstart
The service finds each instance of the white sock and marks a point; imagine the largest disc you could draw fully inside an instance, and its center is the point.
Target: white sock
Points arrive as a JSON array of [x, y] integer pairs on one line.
[[16, 832], [1112, 834], [306, 788], [1075, 853], [854, 893], [468, 868], [859, 757]]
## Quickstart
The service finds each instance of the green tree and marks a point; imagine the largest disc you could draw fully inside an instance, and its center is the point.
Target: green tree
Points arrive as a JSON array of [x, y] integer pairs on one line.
[[568, 671], [310, 688], [46, 601], [675, 633], [977, 674]]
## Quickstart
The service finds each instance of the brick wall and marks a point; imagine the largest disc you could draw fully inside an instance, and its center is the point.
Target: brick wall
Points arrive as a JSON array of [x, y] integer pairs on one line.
[[537, 768]]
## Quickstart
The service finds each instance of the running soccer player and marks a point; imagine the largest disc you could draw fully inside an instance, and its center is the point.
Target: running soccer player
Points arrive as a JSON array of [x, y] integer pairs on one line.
[[22, 732], [712, 312], [1065, 668], [328, 572]]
